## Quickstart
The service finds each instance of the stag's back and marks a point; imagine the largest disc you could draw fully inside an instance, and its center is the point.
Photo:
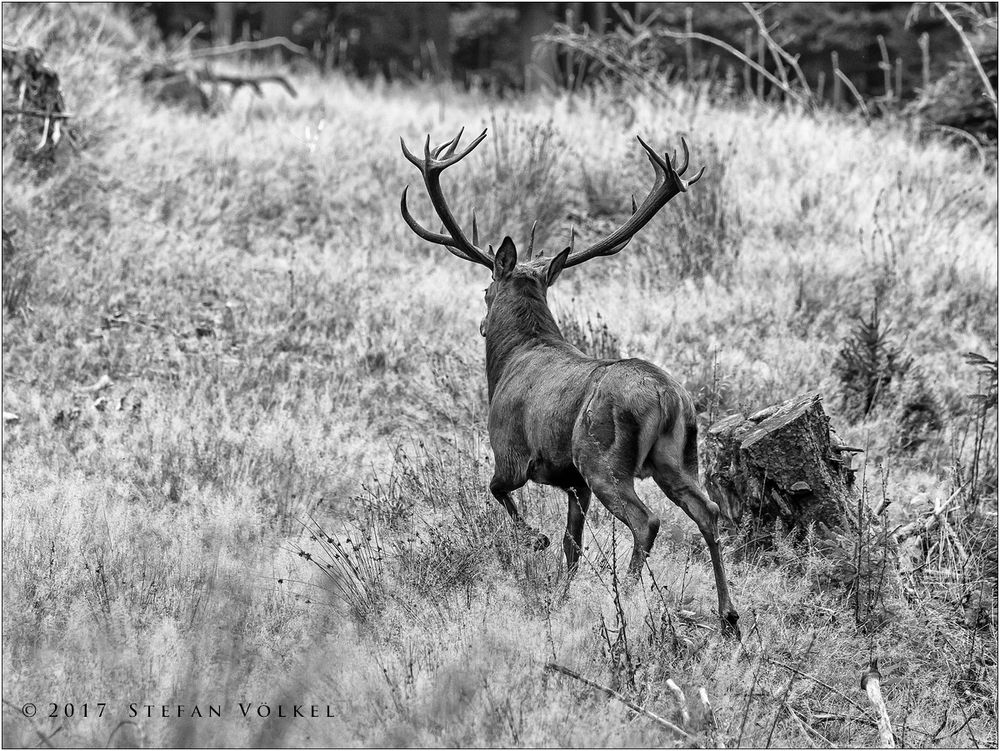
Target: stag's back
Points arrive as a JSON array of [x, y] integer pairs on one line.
[[537, 399]]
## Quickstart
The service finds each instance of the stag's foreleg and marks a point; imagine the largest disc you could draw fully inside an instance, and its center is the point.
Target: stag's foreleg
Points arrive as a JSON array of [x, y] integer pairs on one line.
[[683, 488], [501, 488], [579, 502]]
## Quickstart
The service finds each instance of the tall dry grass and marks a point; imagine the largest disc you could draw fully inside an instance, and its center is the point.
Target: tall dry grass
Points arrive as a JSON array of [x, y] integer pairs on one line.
[[278, 347]]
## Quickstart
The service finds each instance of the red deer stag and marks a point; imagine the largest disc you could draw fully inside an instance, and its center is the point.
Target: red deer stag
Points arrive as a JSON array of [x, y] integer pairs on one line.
[[561, 418]]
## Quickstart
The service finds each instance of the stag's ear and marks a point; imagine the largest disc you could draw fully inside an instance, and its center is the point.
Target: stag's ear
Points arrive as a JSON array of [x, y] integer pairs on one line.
[[506, 259], [556, 267]]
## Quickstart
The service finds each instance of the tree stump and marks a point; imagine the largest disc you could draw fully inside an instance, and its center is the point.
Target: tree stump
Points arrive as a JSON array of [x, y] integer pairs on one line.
[[784, 467], [782, 464]]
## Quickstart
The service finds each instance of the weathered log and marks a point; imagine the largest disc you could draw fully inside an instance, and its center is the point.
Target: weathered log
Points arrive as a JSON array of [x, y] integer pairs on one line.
[[194, 89], [782, 463], [35, 93]]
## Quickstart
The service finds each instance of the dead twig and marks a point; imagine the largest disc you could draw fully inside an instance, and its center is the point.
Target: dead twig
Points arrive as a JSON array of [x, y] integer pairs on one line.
[[991, 95], [779, 53], [788, 691], [930, 523], [827, 686], [553, 667], [713, 728], [681, 700], [965, 136], [857, 94], [870, 682], [806, 730], [738, 55]]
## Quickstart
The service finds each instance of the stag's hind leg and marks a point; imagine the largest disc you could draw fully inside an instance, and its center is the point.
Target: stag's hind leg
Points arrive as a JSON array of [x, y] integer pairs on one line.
[[576, 515], [501, 489], [606, 441], [682, 487], [619, 497]]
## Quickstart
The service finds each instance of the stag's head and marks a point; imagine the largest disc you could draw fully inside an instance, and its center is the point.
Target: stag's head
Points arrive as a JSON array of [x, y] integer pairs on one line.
[[531, 277]]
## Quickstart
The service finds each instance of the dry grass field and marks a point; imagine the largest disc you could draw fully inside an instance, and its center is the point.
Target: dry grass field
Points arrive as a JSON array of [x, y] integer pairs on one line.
[[251, 461]]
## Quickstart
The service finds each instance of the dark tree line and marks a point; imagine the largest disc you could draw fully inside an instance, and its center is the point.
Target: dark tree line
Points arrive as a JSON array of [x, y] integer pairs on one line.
[[495, 44]]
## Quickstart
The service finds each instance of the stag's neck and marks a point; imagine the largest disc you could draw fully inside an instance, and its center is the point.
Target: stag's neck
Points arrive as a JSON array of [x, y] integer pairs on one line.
[[515, 325]]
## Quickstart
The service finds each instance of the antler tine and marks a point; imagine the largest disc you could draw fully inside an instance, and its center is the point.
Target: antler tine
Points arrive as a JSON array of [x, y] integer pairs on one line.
[[684, 145], [658, 163], [454, 143], [468, 149], [425, 233], [666, 185], [416, 226], [475, 229], [531, 237], [410, 156], [437, 151], [431, 168], [448, 147], [572, 238]]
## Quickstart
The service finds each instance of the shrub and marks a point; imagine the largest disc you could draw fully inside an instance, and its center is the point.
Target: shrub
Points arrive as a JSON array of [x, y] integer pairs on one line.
[[351, 565], [520, 182], [591, 335], [868, 362], [703, 234]]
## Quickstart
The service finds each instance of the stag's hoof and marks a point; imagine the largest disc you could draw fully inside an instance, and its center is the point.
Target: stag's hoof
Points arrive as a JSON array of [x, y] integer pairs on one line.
[[531, 537], [730, 627]]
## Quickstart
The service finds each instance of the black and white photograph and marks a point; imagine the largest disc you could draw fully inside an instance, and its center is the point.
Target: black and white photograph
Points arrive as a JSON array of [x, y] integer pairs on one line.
[[499, 375]]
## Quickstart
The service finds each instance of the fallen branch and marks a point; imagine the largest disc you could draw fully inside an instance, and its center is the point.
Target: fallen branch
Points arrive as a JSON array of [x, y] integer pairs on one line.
[[186, 85], [870, 684], [553, 667], [231, 49], [252, 81], [38, 113], [928, 524]]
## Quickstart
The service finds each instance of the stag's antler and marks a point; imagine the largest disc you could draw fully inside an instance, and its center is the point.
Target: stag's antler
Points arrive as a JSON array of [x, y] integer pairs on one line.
[[668, 184], [431, 167]]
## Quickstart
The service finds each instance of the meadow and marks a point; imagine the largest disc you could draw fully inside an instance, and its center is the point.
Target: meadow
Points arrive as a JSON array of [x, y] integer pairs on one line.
[[250, 460]]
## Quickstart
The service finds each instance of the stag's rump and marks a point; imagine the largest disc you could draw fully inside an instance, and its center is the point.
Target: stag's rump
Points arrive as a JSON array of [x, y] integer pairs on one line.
[[631, 407]]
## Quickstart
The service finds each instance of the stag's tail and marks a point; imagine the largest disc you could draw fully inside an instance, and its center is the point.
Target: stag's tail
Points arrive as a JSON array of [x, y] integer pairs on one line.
[[670, 433]]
